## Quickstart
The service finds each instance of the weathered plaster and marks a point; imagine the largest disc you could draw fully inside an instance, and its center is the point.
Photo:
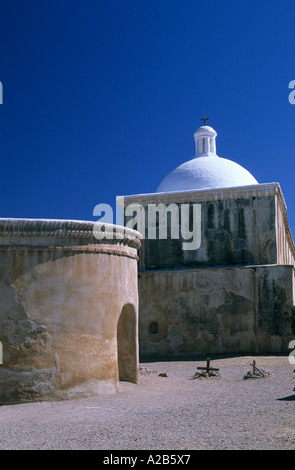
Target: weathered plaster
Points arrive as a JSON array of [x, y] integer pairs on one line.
[[60, 305], [216, 311]]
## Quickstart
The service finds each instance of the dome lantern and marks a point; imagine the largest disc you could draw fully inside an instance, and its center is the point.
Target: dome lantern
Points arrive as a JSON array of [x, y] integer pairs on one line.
[[205, 141]]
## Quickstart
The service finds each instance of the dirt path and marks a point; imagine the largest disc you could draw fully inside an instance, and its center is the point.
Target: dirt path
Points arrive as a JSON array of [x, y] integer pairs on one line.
[[168, 413]]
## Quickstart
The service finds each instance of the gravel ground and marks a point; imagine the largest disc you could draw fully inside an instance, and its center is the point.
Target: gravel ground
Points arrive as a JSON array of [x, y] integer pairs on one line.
[[167, 413]]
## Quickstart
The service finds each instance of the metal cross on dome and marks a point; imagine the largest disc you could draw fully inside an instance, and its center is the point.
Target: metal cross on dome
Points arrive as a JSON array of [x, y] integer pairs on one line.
[[205, 119]]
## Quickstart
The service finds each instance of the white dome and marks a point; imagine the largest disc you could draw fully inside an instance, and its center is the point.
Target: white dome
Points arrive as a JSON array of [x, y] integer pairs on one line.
[[207, 170], [206, 173]]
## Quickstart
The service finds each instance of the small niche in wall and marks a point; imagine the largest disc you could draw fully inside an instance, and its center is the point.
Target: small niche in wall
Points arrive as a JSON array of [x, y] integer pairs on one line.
[[153, 328]]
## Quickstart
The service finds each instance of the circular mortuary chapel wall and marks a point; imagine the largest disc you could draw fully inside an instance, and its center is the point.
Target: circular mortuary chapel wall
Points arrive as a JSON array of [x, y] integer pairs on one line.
[[62, 294]]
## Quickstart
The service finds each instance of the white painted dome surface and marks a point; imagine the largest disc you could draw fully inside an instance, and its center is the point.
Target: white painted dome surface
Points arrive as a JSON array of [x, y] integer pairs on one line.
[[206, 172]]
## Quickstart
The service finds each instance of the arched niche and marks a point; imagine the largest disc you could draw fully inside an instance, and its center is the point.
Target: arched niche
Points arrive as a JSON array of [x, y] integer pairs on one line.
[[127, 345]]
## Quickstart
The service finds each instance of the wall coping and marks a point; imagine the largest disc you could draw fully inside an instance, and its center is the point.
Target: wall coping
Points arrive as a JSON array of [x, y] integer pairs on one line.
[[60, 228], [235, 192]]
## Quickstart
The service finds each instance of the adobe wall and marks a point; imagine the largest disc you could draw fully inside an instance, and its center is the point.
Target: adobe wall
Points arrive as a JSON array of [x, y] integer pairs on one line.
[[233, 231], [239, 226], [62, 295], [285, 243], [235, 293], [216, 311]]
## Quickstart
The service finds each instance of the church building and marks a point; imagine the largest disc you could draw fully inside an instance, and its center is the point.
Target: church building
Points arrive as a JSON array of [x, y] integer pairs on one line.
[[233, 292]]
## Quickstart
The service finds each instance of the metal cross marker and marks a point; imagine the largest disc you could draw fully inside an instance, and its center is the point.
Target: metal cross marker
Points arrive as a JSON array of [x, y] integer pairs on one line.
[[205, 119], [208, 368]]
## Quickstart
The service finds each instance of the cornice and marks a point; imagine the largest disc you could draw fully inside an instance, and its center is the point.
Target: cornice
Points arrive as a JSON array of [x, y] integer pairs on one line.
[[114, 250], [66, 229], [259, 190]]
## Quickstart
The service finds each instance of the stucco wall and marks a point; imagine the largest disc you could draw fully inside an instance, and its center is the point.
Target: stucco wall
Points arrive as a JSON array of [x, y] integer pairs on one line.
[[239, 226], [60, 302], [285, 243], [223, 310], [230, 294], [233, 231]]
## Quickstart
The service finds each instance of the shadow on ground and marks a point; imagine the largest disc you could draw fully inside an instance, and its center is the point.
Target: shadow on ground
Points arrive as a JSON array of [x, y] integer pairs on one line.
[[289, 398]]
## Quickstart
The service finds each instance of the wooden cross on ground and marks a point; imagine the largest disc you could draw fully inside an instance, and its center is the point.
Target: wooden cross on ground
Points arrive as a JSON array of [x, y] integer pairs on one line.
[[208, 368], [256, 373], [254, 367], [206, 371]]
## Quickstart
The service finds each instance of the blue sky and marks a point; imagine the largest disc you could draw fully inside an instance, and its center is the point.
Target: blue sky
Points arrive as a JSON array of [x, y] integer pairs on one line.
[[101, 98]]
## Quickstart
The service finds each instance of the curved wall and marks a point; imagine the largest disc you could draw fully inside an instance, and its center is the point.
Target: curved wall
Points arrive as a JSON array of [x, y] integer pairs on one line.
[[62, 292]]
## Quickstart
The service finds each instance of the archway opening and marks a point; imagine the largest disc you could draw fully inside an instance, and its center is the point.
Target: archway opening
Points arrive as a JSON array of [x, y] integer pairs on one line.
[[127, 345]]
